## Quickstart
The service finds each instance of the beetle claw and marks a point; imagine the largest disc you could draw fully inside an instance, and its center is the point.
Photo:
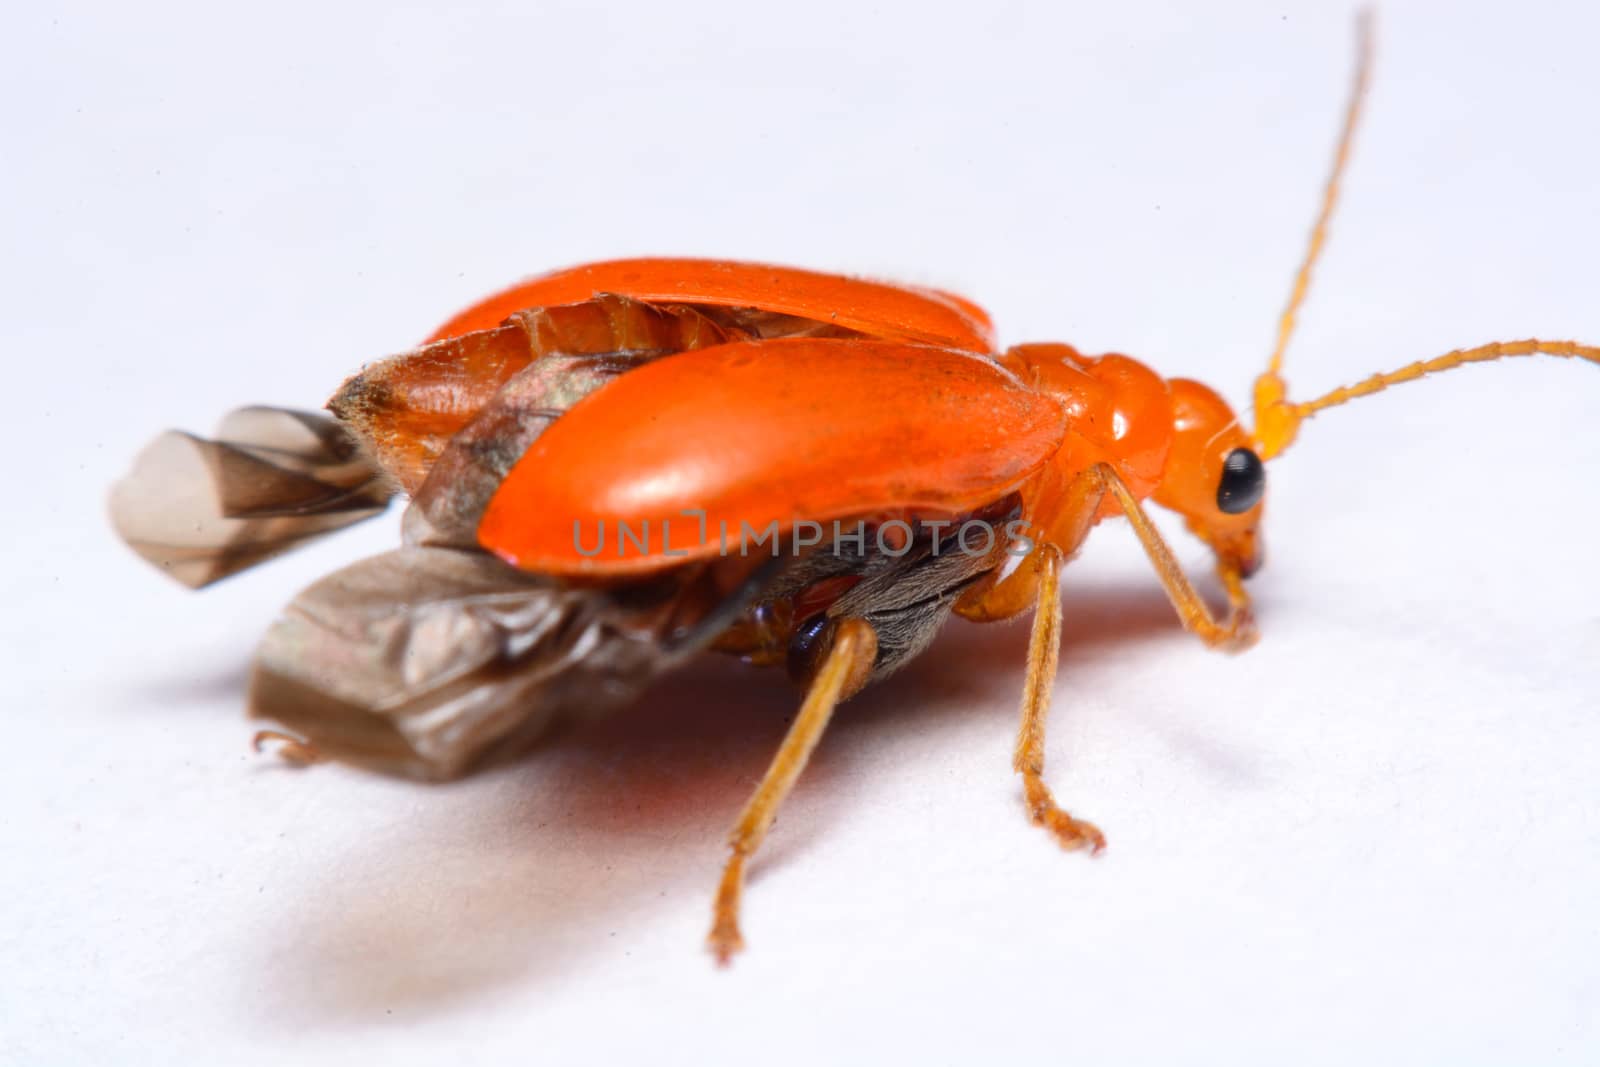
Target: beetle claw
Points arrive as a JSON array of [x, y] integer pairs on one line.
[[1070, 833]]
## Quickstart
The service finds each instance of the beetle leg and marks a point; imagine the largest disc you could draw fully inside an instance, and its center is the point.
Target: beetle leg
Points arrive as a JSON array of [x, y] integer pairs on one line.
[[843, 671], [1235, 633], [1044, 647], [1038, 579], [1005, 599], [1065, 515]]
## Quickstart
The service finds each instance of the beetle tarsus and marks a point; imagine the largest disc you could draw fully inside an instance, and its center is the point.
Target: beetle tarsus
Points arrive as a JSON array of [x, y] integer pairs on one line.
[[725, 941], [1070, 833]]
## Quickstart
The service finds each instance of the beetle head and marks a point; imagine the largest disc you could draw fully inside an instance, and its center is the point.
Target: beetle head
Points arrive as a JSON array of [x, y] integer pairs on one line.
[[1213, 476]]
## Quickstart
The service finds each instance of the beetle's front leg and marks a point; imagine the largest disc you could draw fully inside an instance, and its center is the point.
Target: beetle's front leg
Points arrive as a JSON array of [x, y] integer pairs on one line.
[[1065, 517], [1237, 631]]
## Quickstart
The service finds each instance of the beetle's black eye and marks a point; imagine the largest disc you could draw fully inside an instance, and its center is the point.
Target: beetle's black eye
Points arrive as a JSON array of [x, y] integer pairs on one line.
[[1244, 481]]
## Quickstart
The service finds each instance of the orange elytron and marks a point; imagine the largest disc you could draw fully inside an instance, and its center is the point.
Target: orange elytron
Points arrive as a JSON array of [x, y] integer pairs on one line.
[[890, 311], [617, 466]]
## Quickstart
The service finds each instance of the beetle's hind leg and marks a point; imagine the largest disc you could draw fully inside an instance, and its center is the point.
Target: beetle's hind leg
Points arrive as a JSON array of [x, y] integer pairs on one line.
[[1044, 648], [843, 671]]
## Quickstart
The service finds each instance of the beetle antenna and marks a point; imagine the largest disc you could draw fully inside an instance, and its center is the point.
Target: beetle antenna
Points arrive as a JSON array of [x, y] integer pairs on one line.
[[1270, 386], [1330, 191], [1277, 418], [1278, 431]]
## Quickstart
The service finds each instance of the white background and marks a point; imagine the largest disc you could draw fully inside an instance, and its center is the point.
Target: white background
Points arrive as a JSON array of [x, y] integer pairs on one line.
[[1375, 838]]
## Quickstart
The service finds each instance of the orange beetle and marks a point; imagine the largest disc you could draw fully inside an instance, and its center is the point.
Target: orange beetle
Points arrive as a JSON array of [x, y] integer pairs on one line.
[[616, 466]]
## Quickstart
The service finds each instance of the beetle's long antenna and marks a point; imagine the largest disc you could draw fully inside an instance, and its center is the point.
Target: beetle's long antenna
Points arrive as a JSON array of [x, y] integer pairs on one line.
[[1277, 418], [1330, 191], [1270, 388], [1278, 432]]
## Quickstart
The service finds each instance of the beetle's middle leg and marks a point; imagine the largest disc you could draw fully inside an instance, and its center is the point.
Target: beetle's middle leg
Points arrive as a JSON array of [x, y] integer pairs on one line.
[[1063, 522], [843, 671], [1044, 648], [1066, 520]]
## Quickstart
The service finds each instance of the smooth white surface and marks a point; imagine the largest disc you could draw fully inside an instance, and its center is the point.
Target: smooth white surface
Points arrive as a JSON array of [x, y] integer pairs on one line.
[[1375, 838]]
